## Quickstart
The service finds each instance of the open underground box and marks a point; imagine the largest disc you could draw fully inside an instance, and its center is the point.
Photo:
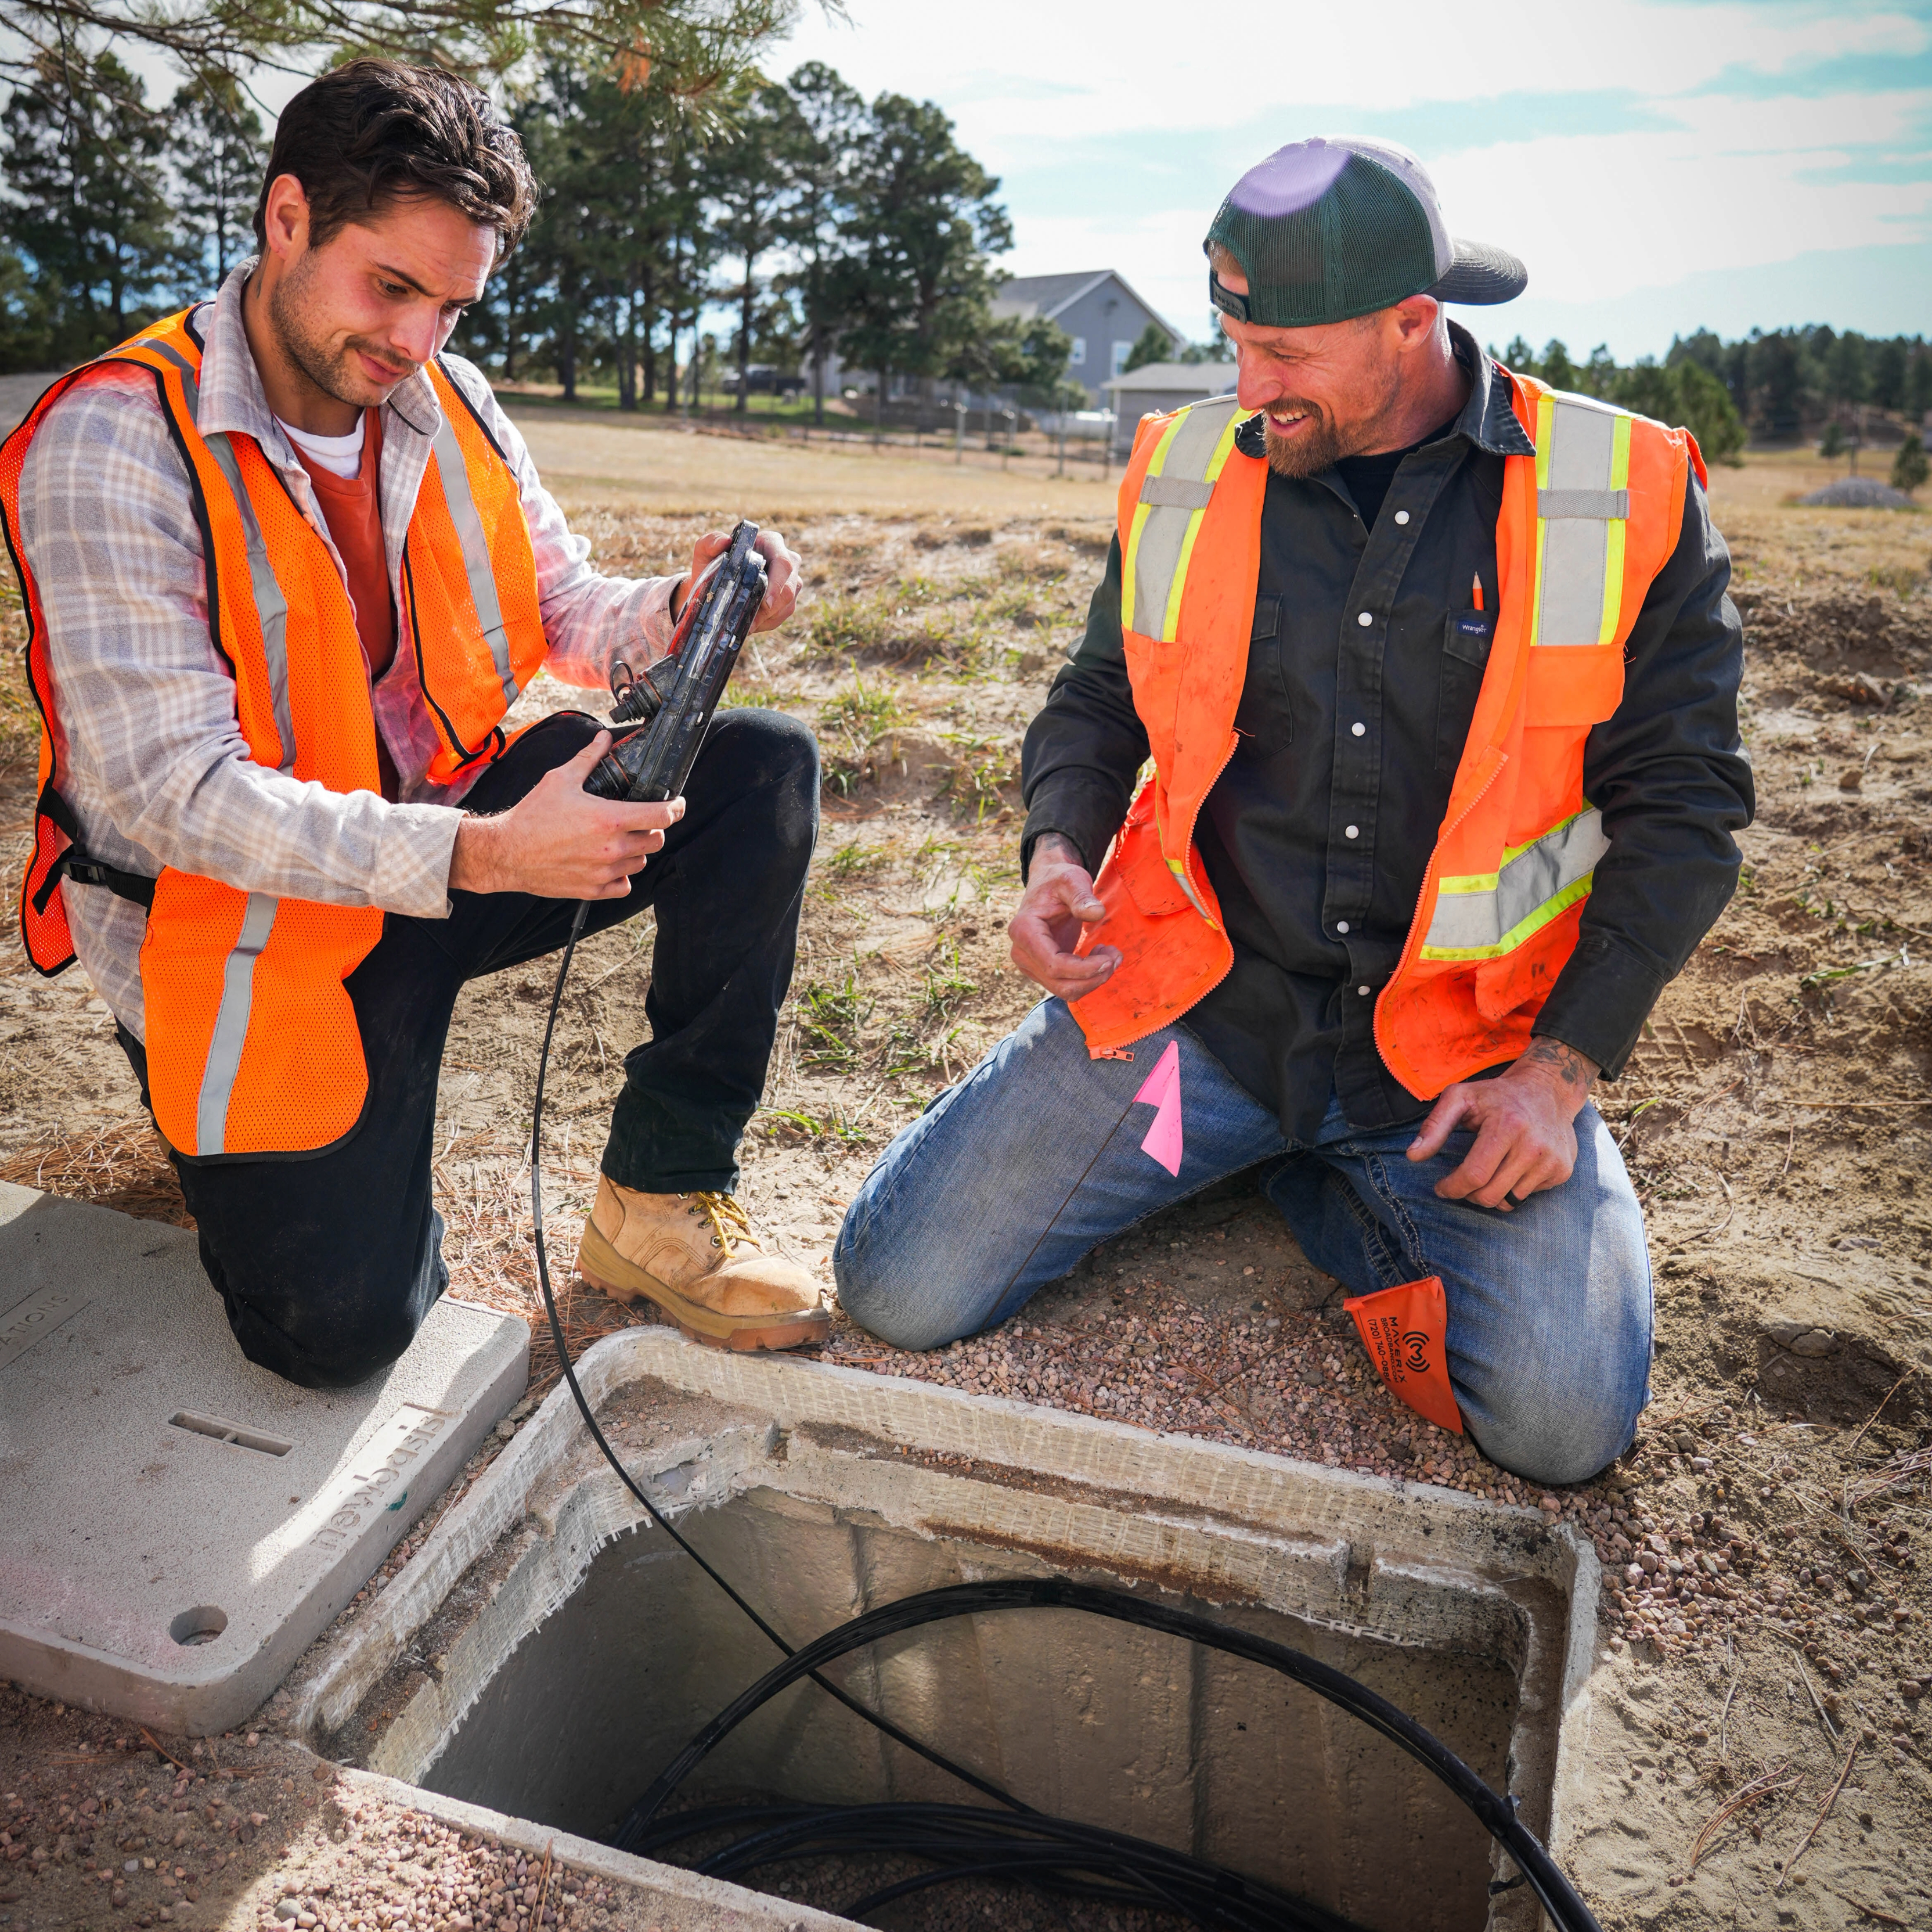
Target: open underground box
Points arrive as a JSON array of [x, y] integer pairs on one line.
[[549, 1650]]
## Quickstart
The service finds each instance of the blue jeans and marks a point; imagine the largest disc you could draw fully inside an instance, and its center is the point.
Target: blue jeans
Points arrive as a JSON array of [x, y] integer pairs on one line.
[[1008, 1178]]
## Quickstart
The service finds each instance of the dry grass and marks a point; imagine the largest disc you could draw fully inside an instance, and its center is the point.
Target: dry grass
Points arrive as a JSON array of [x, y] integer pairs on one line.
[[124, 1165]]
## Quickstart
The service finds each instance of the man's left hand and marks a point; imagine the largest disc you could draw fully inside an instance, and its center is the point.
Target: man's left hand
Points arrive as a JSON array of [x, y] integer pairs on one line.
[[1525, 1123], [782, 575]]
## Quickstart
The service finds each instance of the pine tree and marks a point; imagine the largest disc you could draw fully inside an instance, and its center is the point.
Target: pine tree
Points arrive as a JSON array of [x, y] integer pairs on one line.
[[922, 221], [83, 171], [749, 185], [1556, 367], [1909, 467], [215, 146], [1152, 345], [822, 136]]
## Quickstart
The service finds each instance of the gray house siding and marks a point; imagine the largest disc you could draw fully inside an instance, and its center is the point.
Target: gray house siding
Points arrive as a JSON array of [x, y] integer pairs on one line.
[[1099, 310]]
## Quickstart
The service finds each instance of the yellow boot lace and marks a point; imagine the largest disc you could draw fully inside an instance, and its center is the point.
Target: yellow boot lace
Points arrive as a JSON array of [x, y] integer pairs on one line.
[[730, 1224]]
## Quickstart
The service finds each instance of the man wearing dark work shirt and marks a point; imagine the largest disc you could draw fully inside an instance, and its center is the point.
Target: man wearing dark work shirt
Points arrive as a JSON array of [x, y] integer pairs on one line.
[[1338, 730], [1384, 910]]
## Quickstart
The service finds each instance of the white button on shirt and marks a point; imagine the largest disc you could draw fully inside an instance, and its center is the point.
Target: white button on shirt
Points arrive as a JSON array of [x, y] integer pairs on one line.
[[1364, 990], [1353, 831], [1367, 618], [1401, 516], [1357, 730], [1341, 925]]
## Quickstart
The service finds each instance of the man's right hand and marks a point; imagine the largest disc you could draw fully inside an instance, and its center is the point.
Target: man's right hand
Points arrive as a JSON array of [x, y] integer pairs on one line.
[[559, 842], [1058, 901]]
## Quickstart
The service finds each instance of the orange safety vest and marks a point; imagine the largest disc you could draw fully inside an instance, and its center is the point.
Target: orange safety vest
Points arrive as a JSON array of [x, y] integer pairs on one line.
[[1585, 524], [252, 1046]]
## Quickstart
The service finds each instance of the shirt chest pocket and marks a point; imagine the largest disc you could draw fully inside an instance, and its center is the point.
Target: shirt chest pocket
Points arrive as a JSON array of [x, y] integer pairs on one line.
[[1265, 713], [1465, 656]]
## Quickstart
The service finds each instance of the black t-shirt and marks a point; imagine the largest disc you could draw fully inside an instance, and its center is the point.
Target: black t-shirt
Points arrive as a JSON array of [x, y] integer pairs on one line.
[[1366, 478]]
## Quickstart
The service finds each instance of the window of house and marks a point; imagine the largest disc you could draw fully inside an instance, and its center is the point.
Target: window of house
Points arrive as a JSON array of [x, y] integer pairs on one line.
[[1121, 351], [1077, 355]]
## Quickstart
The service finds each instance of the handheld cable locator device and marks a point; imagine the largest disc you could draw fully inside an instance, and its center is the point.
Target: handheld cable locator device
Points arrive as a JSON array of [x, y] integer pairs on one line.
[[676, 698]]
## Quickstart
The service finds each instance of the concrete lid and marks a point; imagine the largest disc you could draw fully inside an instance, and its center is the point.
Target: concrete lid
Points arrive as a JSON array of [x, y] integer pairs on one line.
[[179, 1524]]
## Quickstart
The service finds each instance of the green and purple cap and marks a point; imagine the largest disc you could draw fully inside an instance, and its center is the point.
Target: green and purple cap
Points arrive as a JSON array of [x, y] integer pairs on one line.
[[1334, 227]]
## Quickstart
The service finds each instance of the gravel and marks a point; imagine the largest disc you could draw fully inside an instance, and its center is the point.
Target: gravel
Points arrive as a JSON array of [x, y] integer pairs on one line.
[[1296, 1382]]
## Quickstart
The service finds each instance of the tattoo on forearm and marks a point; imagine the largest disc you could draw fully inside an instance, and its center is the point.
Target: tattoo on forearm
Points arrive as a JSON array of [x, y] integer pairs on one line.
[[1571, 1066], [1058, 845]]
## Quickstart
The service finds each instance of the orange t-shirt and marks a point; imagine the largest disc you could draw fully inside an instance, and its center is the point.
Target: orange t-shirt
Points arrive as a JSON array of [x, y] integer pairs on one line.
[[352, 507]]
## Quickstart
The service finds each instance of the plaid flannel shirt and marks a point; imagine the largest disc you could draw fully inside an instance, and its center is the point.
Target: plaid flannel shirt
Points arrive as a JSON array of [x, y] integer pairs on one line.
[[152, 758]]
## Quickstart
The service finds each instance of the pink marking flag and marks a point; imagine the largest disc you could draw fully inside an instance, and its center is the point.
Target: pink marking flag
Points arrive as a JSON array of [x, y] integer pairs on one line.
[[1162, 1091]]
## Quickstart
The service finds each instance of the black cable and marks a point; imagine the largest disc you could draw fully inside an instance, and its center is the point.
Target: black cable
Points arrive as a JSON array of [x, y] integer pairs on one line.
[[1052, 1855], [1496, 1814], [1164, 1880], [657, 1516]]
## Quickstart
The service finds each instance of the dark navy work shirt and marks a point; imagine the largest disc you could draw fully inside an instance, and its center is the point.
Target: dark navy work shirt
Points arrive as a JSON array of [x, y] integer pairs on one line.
[[1317, 835]]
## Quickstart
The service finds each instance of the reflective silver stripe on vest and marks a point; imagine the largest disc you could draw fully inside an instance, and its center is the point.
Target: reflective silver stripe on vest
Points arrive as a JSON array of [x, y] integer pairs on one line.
[[1172, 507], [455, 474], [271, 606], [1583, 499], [231, 1026], [1175, 492], [181, 362], [1495, 918], [1586, 505]]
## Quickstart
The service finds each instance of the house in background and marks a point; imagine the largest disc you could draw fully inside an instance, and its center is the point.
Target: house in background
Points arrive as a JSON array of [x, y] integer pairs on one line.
[[1155, 387], [1097, 309]]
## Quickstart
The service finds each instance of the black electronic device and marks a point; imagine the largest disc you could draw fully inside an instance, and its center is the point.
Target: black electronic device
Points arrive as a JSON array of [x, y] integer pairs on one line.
[[676, 699]]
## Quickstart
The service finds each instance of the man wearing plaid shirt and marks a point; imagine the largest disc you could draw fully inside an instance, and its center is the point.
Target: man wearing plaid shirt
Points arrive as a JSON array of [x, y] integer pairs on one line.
[[391, 193]]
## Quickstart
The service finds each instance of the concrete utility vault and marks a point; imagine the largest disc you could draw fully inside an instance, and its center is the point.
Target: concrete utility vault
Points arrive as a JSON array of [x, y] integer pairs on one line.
[[177, 1525], [549, 1650]]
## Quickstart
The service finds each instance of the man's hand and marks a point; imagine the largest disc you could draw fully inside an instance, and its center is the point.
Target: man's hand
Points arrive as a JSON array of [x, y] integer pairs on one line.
[[558, 842], [781, 575], [1058, 901], [1525, 1138]]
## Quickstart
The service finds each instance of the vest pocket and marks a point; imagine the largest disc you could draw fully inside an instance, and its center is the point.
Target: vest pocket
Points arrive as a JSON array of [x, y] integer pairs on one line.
[[1466, 638]]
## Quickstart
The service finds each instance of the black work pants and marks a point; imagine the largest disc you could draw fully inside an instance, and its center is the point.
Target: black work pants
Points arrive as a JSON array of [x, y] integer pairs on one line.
[[328, 1264]]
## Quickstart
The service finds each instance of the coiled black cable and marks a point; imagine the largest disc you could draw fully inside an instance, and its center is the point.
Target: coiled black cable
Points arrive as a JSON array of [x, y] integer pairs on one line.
[[1052, 1855]]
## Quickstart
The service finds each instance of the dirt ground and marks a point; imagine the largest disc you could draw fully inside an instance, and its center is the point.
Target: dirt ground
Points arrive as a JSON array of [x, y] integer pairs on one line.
[[1764, 1617]]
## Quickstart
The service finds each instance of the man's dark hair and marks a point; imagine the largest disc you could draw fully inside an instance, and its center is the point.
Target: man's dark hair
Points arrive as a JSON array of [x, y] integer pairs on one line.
[[372, 132]]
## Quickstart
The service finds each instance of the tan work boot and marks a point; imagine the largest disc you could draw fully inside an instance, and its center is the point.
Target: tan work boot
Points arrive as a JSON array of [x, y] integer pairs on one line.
[[694, 1256]]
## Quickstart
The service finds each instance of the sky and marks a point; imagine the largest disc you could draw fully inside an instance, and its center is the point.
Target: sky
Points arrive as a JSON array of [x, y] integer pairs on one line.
[[1660, 165]]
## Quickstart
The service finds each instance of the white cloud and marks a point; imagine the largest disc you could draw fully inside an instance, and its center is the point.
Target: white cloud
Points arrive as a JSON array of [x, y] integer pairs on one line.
[[1593, 215], [1720, 180], [1098, 66]]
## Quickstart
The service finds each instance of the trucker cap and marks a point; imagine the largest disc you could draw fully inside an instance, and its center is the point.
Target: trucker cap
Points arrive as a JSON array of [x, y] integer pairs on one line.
[[1334, 227]]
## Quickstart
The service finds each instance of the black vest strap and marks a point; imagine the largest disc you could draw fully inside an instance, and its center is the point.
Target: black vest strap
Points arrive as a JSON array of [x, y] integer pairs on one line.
[[80, 865]]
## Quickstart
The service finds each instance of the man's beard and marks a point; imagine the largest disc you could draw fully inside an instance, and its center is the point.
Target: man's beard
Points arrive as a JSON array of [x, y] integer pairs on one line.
[[1322, 442], [1315, 447], [330, 369]]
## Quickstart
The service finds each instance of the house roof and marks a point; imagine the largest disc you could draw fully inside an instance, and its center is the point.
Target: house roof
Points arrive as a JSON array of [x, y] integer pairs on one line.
[[1194, 379], [1047, 295]]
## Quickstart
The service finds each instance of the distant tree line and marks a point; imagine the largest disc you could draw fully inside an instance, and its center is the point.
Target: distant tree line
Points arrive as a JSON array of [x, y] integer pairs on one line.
[[820, 222], [1781, 384]]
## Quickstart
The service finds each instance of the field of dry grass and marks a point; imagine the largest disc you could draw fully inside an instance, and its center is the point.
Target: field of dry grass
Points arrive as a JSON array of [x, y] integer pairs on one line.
[[1776, 1119]]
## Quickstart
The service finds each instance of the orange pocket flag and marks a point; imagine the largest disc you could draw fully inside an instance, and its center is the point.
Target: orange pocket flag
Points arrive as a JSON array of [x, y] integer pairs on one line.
[[1405, 1329]]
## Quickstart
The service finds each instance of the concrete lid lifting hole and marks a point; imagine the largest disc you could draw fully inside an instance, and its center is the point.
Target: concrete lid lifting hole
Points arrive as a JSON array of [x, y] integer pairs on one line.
[[547, 1650], [178, 1525]]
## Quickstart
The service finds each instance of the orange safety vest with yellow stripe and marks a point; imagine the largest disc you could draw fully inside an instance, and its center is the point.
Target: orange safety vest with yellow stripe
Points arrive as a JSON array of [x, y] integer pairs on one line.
[[1585, 525], [252, 1046]]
